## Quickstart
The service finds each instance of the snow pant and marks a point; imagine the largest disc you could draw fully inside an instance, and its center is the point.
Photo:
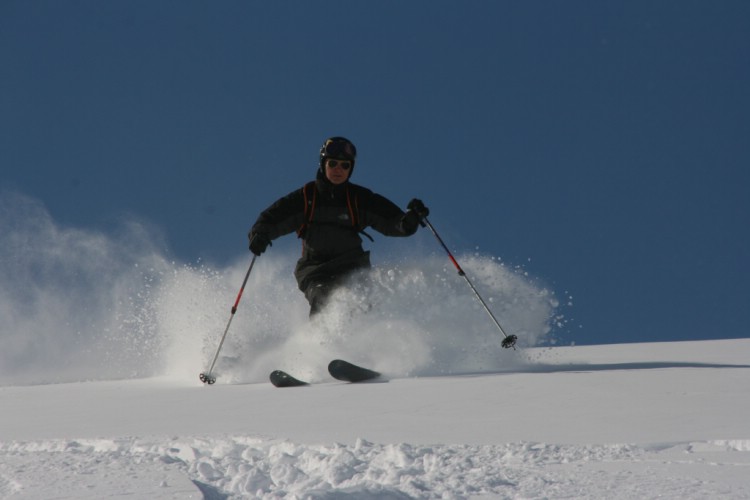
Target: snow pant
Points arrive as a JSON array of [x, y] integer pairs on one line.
[[318, 279]]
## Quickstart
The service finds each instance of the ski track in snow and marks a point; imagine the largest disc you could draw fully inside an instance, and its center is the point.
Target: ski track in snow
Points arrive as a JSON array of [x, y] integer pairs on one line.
[[242, 467]]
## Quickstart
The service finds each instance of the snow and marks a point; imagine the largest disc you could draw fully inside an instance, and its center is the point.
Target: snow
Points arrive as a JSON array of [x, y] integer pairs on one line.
[[666, 420], [103, 340]]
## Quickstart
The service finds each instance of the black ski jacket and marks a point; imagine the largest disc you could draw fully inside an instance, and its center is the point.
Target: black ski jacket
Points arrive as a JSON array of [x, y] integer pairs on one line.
[[329, 219]]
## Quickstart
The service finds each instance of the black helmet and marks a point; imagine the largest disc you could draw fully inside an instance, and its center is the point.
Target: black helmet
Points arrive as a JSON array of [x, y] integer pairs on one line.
[[338, 148]]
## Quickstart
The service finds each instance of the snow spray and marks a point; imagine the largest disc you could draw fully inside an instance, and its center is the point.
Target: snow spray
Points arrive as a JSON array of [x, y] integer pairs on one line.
[[77, 304]]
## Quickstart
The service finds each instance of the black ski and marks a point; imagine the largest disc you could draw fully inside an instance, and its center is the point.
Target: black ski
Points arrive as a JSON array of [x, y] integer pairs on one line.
[[283, 379], [348, 372], [338, 368]]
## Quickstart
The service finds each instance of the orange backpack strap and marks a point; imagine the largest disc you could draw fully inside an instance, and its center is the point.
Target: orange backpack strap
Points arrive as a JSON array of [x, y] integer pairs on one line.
[[354, 214], [353, 209], [309, 195]]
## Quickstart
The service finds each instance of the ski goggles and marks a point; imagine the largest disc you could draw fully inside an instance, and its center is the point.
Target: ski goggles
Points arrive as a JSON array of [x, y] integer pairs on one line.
[[339, 149], [344, 164]]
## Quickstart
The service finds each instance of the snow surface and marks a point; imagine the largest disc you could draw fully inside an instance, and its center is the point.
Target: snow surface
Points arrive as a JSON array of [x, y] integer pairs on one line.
[[103, 340], [666, 420]]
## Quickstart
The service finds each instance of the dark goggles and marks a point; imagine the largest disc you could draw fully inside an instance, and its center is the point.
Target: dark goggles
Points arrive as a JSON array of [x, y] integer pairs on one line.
[[344, 164], [340, 149]]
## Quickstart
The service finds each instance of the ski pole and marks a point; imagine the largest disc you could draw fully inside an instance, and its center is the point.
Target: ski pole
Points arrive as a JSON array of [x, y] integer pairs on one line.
[[508, 340], [207, 377]]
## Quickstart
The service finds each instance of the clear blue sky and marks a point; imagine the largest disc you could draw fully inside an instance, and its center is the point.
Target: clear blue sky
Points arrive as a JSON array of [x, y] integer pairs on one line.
[[603, 145]]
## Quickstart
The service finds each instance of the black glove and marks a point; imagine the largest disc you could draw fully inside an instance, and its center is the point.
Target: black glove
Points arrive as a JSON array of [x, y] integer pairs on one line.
[[414, 214], [259, 242], [418, 207]]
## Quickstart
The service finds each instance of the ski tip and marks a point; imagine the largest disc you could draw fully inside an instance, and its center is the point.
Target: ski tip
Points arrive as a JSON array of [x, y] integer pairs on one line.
[[349, 372], [336, 363], [281, 378]]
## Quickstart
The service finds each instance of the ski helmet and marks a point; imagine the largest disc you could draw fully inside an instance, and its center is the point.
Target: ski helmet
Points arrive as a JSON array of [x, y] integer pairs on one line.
[[338, 148]]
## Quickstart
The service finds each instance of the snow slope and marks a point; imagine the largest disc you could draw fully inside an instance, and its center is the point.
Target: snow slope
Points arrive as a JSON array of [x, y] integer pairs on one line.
[[103, 338], [665, 420]]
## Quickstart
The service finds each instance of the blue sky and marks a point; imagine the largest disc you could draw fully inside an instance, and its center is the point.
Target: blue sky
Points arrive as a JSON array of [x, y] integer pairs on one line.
[[601, 145]]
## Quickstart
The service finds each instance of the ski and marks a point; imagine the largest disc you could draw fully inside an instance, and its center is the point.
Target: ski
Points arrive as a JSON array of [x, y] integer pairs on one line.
[[338, 368], [348, 372], [283, 379]]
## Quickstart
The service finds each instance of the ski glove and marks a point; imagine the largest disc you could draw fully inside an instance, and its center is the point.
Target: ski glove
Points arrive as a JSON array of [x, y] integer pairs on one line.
[[259, 242], [418, 207], [414, 214]]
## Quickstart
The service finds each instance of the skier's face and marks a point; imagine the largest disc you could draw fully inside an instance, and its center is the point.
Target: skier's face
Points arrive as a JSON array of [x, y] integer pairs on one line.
[[337, 171]]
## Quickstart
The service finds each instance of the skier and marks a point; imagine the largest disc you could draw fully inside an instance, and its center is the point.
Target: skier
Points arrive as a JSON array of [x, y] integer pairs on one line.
[[329, 214]]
